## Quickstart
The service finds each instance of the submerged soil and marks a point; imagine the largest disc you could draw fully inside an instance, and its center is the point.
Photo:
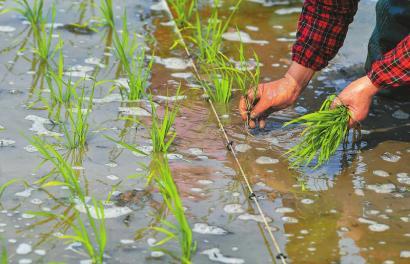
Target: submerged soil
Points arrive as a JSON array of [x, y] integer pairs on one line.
[[352, 210]]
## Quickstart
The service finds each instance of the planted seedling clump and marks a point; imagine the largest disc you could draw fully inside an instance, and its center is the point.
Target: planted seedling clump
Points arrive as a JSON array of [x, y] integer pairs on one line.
[[323, 133]]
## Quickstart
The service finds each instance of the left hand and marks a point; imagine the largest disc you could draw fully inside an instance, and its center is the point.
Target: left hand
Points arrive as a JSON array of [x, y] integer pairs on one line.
[[357, 96]]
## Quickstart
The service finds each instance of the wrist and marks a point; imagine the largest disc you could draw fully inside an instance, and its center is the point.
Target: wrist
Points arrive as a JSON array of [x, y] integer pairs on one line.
[[369, 87], [300, 74]]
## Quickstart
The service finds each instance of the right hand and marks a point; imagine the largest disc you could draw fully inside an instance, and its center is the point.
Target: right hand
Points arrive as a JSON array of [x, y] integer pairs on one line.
[[267, 98]]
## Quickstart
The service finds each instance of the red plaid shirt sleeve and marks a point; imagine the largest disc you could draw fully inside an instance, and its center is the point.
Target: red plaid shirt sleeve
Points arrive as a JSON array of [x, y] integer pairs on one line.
[[322, 29], [393, 69]]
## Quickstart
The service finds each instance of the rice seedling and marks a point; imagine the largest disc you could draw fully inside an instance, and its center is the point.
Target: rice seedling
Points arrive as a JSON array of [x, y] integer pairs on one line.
[[220, 89], [4, 255], [33, 14], [183, 10], [133, 59], [208, 38], [44, 39], [61, 90], [160, 130], [94, 247], [323, 133], [76, 131], [181, 231], [107, 12]]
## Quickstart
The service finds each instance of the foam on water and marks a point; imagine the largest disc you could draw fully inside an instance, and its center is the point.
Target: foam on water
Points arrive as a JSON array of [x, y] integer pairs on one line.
[[381, 173], [256, 218], [173, 63], [242, 147], [171, 98], [389, 157], [287, 11], [266, 160], [109, 212], [214, 254], [107, 99], [39, 126], [23, 249], [7, 142], [233, 209], [7, 29], [382, 188], [243, 37], [204, 228], [284, 210], [133, 111]]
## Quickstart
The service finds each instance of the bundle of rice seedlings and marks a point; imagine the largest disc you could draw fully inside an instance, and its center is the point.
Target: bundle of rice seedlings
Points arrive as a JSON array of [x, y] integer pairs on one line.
[[323, 133]]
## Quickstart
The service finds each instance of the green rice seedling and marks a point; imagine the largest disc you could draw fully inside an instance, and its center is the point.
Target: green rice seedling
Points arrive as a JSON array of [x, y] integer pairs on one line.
[[6, 185], [181, 231], [160, 130], [208, 38], [61, 91], [33, 14], [76, 130], [183, 10], [220, 87], [133, 59], [323, 133], [69, 179], [4, 255], [106, 9], [44, 39]]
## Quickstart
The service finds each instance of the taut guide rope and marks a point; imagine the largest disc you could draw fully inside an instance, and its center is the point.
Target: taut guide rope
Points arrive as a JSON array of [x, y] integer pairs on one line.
[[252, 195]]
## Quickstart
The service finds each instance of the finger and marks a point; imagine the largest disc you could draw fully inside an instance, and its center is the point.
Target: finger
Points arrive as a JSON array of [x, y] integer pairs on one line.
[[336, 102], [252, 123], [255, 94], [243, 109], [260, 108], [262, 122]]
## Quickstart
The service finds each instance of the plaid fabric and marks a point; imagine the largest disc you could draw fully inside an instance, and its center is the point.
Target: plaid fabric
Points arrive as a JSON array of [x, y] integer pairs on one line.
[[393, 69], [322, 29]]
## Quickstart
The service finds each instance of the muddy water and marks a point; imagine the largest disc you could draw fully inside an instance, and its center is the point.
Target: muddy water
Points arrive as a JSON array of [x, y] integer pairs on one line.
[[352, 210]]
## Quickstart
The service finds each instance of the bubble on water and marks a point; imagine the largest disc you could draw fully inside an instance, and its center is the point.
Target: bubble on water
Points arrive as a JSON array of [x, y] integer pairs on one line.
[[151, 241], [389, 157], [284, 210], [366, 221], [373, 212], [30, 148], [242, 37], [95, 61], [107, 99], [311, 249], [287, 11], [7, 142], [359, 192], [405, 219], [109, 212], [160, 6], [403, 177], [25, 261], [112, 177], [38, 126], [252, 28], [382, 188], [381, 173], [26, 193], [242, 147], [214, 254], [157, 254], [236, 194], [378, 227], [40, 252], [23, 249], [127, 241], [27, 216], [111, 164], [275, 65], [182, 75], [304, 231], [204, 228], [195, 151], [399, 114], [233, 209], [173, 63], [266, 160], [7, 29], [253, 217], [205, 182], [196, 190], [133, 111], [174, 156], [289, 219], [405, 254], [307, 201]]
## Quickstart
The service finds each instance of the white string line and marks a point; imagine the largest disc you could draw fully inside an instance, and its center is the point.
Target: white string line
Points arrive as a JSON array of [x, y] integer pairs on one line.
[[229, 144]]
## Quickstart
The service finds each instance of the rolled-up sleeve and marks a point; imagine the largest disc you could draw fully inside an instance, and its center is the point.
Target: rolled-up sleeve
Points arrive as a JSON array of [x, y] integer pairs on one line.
[[322, 29], [393, 69]]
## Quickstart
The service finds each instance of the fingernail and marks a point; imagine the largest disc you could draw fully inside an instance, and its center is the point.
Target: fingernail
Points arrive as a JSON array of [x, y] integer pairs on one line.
[[253, 115]]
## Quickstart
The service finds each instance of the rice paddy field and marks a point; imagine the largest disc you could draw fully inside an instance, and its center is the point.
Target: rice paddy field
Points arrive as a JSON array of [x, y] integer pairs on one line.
[[111, 153]]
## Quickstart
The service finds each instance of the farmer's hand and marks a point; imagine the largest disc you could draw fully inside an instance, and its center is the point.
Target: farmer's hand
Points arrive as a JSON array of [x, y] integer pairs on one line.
[[357, 96], [274, 96]]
